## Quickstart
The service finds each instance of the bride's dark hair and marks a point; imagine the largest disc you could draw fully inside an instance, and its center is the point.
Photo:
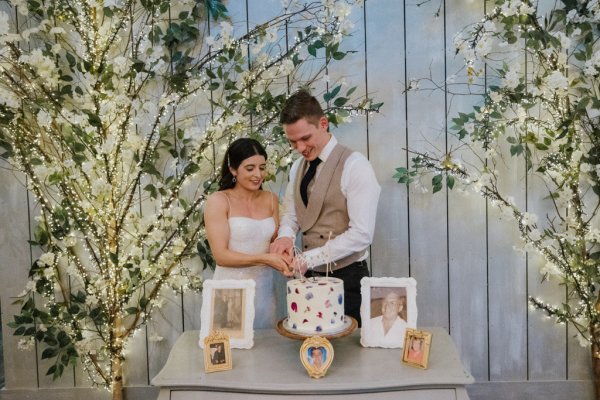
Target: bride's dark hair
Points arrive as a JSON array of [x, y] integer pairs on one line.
[[238, 151]]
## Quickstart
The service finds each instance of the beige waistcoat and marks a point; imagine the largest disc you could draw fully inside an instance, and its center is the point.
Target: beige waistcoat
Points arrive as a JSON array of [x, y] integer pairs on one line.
[[326, 215]]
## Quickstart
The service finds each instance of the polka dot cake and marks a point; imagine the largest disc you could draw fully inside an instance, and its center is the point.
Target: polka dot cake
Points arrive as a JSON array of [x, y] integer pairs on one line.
[[315, 305]]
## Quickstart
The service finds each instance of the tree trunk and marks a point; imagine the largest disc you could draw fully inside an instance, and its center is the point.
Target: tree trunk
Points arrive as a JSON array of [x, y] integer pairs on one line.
[[117, 380], [596, 369]]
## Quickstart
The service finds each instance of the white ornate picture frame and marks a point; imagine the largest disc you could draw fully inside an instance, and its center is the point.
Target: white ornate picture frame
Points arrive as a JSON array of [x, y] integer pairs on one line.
[[389, 306], [228, 306]]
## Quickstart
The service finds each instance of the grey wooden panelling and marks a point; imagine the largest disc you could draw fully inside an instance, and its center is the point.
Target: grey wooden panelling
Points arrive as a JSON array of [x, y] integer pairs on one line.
[[458, 247], [467, 251], [428, 236], [387, 132]]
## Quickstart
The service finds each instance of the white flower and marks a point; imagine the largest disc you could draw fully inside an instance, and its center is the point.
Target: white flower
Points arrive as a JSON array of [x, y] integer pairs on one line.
[[526, 9], [178, 246], [529, 219], [496, 97], [46, 259], [551, 269], [26, 344], [582, 340], [557, 81], [565, 42], [585, 167], [511, 79], [156, 338], [49, 273], [509, 8], [44, 66], [44, 119], [121, 65]]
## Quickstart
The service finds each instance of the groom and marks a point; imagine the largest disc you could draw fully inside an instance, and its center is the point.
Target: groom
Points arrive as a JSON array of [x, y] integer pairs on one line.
[[331, 198]]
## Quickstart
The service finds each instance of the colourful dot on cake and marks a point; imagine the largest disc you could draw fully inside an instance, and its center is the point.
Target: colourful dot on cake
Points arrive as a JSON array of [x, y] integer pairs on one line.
[[309, 296], [340, 299], [294, 307], [319, 329]]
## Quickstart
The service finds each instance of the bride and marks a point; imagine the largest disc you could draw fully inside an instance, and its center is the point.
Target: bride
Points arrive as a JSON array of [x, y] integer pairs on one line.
[[241, 220]]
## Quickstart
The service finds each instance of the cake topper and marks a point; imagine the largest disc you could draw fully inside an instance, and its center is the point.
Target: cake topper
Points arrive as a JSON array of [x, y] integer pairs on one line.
[[302, 262]]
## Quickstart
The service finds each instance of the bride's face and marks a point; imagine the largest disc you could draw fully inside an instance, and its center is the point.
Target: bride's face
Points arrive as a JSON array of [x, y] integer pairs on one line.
[[251, 172]]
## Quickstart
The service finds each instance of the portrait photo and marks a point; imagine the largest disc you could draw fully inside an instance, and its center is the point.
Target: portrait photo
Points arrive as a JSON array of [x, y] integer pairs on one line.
[[217, 352], [316, 355], [388, 308], [416, 348], [228, 307]]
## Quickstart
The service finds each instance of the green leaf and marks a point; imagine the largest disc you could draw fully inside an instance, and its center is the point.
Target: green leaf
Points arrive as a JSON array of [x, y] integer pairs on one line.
[[331, 94], [49, 352], [20, 331], [340, 101], [450, 181]]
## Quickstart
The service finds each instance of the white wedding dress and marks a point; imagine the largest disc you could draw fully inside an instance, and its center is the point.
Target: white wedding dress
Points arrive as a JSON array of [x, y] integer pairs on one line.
[[253, 236]]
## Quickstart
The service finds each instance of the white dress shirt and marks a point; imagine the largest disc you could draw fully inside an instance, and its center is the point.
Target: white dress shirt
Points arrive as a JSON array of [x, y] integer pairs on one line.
[[359, 186], [393, 338]]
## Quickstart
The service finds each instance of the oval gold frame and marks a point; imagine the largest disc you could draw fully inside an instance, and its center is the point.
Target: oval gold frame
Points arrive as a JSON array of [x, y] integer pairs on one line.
[[305, 356]]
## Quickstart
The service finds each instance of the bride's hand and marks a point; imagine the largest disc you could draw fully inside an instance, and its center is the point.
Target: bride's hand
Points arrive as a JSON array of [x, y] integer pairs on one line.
[[281, 263]]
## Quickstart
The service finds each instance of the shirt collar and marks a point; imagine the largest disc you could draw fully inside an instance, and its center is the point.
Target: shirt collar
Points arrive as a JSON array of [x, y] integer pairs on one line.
[[328, 148]]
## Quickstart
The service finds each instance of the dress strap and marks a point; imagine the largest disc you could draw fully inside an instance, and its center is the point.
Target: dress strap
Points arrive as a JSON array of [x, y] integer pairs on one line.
[[228, 204]]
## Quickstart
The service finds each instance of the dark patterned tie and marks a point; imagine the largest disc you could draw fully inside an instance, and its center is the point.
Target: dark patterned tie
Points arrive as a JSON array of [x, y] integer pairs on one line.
[[310, 174]]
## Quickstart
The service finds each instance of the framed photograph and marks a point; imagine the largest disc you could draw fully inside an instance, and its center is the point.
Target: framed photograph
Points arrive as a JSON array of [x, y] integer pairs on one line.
[[388, 308], [416, 348], [316, 354], [228, 306], [217, 352]]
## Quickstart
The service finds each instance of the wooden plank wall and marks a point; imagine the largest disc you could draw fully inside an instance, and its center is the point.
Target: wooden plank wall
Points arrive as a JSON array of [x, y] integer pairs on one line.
[[459, 249]]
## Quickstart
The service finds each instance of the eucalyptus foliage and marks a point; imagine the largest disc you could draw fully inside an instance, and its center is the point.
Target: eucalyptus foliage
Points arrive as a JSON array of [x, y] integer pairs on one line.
[[118, 113], [540, 111]]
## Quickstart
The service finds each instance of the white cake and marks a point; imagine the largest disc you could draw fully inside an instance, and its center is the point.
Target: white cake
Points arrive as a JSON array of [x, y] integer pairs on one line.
[[315, 305]]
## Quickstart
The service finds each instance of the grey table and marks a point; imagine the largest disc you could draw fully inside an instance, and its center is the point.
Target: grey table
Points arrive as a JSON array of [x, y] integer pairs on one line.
[[272, 369]]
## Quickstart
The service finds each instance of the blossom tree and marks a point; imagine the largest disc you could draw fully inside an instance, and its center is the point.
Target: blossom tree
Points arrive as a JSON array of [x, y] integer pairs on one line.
[[542, 105], [118, 114]]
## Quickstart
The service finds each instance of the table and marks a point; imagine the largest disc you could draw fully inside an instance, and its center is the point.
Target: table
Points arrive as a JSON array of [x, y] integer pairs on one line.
[[272, 369]]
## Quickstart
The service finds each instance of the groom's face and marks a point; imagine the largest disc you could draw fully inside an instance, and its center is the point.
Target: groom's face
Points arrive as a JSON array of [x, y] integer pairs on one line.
[[308, 138]]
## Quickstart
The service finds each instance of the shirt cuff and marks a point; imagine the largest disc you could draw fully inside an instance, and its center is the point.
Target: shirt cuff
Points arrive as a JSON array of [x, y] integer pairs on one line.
[[284, 231]]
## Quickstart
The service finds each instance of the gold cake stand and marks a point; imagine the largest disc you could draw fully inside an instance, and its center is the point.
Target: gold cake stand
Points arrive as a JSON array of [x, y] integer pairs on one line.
[[283, 331]]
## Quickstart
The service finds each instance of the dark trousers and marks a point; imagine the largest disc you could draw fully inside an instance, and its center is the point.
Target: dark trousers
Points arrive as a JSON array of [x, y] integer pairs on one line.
[[351, 276]]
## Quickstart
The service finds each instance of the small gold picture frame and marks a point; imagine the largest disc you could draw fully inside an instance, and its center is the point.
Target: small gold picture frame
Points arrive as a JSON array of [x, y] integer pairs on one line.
[[416, 348], [316, 354], [217, 352]]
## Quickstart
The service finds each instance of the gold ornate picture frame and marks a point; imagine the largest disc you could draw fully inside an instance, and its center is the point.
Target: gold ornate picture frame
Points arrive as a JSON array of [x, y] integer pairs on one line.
[[417, 344], [217, 352], [316, 354]]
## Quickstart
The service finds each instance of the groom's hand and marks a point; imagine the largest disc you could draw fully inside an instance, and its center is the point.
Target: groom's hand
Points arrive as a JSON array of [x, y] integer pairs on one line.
[[284, 246]]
